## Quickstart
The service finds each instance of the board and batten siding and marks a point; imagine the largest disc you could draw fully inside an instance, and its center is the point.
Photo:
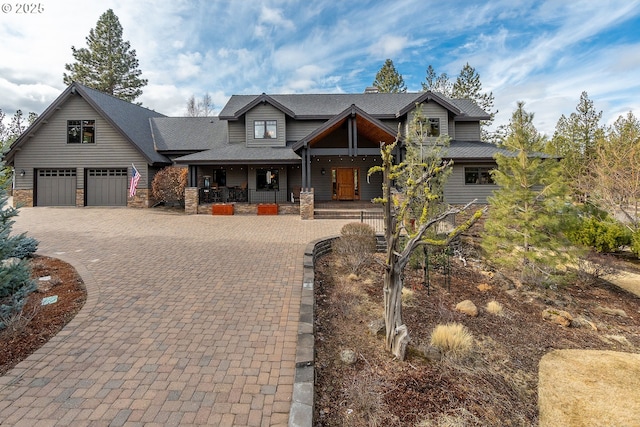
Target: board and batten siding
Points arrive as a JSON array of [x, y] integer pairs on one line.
[[266, 112], [456, 192], [48, 148], [467, 131]]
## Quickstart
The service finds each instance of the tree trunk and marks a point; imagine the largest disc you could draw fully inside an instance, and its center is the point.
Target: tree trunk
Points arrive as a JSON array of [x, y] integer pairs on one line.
[[397, 335]]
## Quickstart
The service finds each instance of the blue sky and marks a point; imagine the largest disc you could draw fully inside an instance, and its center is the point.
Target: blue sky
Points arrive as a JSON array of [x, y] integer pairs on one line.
[[542, 52]]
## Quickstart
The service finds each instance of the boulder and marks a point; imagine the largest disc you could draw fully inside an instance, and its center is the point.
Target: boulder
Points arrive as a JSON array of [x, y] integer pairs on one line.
[[467, 307], [348, 357], [559, 317], [483, 287], [377, 327]]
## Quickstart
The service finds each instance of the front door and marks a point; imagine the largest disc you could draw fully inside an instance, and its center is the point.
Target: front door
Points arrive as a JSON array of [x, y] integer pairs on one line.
[[346, 183]]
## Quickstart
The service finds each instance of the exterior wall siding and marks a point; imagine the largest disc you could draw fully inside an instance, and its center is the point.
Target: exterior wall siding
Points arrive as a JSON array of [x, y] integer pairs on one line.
[[265, 112], [237, 132], [457, 192], [432, 110], [467, 131], [298, 129], [49, 148]]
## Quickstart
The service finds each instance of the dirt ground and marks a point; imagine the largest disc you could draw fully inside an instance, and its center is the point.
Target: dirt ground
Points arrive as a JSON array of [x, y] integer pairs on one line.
[[38, 323], [495, 384]]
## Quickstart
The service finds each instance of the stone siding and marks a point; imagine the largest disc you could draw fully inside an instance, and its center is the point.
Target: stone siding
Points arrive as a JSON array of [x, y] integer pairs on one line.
[[191, 201], [79, 197], [306, 203], [140, 200], [23, 198]]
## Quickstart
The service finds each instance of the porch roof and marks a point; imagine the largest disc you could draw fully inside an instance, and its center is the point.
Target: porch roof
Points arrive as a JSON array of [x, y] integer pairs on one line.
[[239, 153]]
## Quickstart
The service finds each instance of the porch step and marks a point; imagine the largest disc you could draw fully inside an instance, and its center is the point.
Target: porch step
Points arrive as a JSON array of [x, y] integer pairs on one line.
[[345, 213]]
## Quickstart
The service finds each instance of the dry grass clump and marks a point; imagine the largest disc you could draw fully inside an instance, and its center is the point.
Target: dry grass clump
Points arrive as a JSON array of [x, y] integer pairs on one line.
[[452, 338], [356, 246], [456, 418], [494, 307]]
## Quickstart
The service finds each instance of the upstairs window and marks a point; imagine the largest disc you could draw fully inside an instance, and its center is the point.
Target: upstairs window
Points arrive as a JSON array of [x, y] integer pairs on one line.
[[81, 131], [265, 129], [433, 128], [477, 176]]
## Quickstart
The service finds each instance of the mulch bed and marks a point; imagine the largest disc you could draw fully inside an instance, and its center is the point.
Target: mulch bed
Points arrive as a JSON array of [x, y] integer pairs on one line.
[[496, 384], [39, 323]]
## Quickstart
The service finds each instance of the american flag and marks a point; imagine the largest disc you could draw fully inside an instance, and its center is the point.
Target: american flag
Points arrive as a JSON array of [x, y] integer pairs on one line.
[[135, 177]]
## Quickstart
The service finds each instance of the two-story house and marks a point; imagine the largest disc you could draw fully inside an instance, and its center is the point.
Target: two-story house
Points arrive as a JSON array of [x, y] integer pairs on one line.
[[261, 148]]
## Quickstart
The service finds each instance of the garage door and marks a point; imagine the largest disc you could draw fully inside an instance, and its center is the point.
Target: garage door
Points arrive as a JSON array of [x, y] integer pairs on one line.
[[56, 187], [106, 187]]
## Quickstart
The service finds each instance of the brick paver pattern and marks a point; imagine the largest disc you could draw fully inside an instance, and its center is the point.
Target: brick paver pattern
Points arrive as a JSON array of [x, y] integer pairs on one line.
[[190, 320]]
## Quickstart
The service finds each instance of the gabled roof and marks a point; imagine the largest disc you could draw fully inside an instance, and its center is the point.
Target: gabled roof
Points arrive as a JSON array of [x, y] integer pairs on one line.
[[176, 134], [130, 120], [325, 106], [373, 127]]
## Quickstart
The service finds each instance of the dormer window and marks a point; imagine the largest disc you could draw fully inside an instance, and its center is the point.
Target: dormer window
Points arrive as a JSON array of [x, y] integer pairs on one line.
[[434, 127], [265, 129], [81, 131]]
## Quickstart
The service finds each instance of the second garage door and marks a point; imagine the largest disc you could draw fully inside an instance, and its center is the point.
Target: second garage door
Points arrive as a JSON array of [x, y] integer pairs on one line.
[[106, 187]]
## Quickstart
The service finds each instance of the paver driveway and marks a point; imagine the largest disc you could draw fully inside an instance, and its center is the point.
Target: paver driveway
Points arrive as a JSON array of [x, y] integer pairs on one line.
[[190, 320]]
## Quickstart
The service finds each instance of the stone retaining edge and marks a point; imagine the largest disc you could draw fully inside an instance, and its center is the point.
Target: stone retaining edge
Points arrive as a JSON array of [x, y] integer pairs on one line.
[[302, 401]]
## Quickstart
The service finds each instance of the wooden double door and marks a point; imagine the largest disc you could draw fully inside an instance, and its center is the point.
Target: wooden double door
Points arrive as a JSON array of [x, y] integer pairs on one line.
[[346, 183]]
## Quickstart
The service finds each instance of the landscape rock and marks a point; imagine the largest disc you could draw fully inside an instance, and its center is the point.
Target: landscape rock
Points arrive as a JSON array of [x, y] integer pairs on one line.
[[483, 287], [556, 316], [467, 307], [376, 327], [583, 322], [431, 353], [348, 357]]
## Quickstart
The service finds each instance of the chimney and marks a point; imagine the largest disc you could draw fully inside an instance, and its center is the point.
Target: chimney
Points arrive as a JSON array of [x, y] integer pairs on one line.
[[371, 89]]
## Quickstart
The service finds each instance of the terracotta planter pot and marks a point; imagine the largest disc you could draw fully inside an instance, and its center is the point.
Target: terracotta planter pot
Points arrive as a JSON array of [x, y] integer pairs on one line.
[[268, 209], [222, 209]]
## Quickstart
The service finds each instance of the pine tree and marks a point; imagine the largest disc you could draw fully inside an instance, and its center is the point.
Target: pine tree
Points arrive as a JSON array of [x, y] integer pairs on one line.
[[468, 86], [524, 227], [437, 83], [108, 64], [575, 140], [388, 80], [15, 282]]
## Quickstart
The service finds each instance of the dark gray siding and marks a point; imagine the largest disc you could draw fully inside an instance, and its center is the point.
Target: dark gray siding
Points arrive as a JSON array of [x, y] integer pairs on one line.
[[467, 131], [298, 129], [265, 112], [49, 148], [457, 192]]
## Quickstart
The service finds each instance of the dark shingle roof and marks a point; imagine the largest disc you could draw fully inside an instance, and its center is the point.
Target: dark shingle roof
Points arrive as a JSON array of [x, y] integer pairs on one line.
[[224, 152], [131, 119], [379, 105], [478, 150], [187, 133]]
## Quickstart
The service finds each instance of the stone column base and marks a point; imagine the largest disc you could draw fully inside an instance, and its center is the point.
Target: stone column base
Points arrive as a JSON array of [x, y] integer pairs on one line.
[[306, 203]]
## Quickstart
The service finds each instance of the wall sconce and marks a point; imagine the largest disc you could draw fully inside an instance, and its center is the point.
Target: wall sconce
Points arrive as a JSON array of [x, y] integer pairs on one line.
[[323, 172], [22, 172]]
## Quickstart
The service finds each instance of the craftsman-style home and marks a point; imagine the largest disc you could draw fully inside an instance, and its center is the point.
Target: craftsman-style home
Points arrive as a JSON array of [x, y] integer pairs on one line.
[[260, 149]]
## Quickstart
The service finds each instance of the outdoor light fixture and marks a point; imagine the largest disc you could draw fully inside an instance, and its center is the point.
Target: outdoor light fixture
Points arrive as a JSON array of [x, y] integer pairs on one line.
[[22, 172], [323, 172]]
